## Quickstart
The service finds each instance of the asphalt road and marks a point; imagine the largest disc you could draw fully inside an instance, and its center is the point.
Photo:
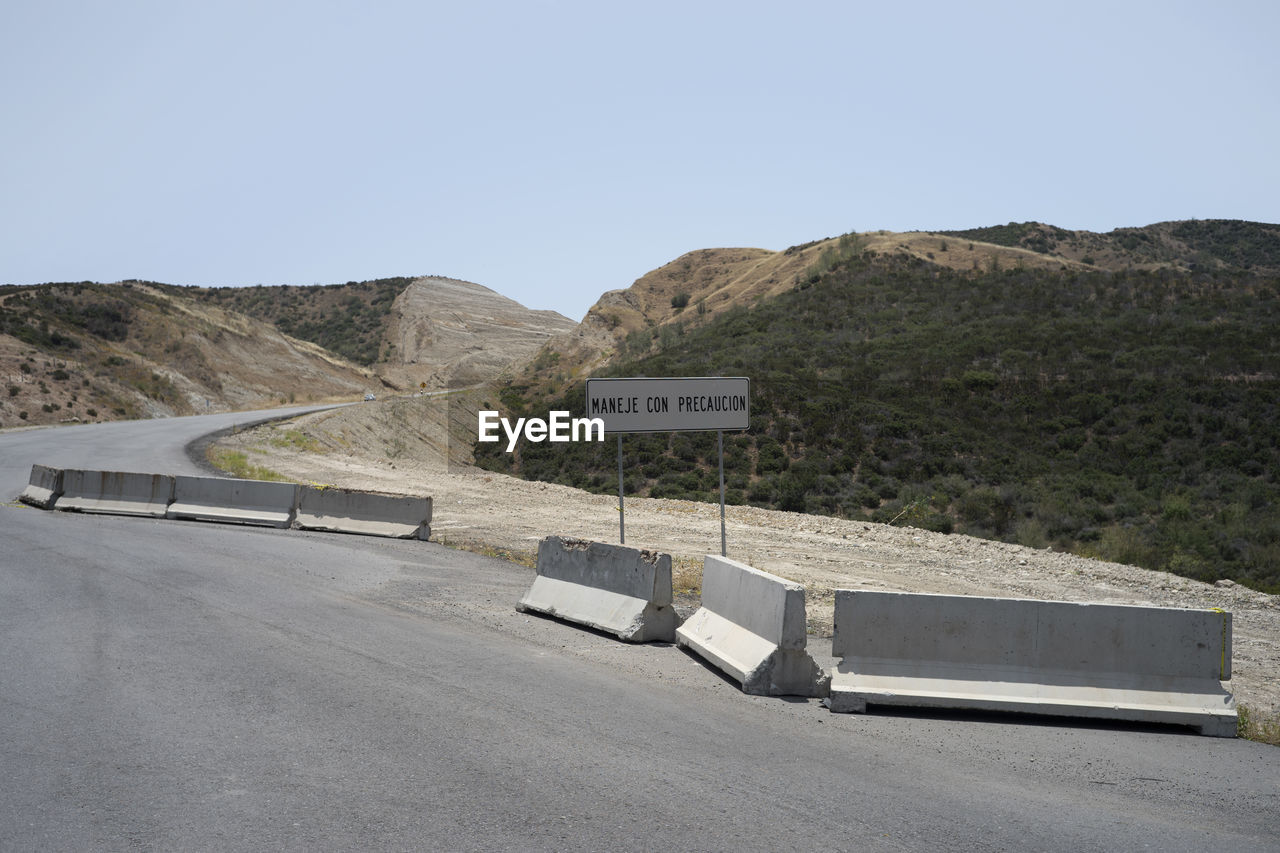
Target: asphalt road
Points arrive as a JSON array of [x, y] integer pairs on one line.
[[184, 686]]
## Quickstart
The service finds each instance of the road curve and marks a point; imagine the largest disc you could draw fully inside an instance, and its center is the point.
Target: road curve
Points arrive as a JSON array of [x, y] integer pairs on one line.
[[175, 686]]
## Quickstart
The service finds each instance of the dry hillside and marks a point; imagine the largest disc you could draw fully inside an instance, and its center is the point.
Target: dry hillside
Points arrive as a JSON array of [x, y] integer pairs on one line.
[[446, 333], [89, 352], [432, 330], [1189, 245], [696, 286]]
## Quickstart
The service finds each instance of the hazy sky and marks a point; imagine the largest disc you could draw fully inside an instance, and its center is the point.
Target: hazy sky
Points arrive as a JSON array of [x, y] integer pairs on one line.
[[556, 150]]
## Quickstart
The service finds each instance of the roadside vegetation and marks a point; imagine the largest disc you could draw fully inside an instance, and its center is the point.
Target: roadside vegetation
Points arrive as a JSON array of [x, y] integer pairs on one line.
[[347, 319], [237, 464], [1263, 728], [294, 439], [1132, 416]]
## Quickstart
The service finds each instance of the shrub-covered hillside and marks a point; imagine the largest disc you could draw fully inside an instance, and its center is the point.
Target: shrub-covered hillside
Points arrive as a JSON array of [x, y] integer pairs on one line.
[[1194, 244], [1133, 416], [348, 319]]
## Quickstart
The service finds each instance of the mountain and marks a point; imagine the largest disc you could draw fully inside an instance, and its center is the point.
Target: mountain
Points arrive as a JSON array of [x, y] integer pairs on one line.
[[451, 334], [1114, 395], [1191, 245], [439, 331], [87, 352], [1131, 413], [347, 319], [692, 289]]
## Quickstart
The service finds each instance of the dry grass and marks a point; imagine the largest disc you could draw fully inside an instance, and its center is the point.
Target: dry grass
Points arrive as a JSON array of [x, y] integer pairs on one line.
[[519, 556], [237, 464], [1260, 727], [686, 575], [295, 439], [960, 253]]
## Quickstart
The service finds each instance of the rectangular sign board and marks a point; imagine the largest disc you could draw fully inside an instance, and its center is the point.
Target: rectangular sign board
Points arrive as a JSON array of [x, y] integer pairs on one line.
[[670, 404]]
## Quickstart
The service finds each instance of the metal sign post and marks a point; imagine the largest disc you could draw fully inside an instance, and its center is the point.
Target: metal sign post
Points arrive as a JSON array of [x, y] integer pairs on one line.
[[679, 404], [720, 442]]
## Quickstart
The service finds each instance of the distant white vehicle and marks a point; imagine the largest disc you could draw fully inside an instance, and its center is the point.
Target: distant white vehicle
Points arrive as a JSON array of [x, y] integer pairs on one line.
[[368, 397]]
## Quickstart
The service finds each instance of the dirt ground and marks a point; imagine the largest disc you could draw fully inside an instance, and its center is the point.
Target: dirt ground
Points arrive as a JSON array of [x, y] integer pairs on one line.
[[500, 514]]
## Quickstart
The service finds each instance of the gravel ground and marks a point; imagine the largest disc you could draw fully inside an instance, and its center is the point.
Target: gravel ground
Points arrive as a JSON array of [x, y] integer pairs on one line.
[[496, 513]]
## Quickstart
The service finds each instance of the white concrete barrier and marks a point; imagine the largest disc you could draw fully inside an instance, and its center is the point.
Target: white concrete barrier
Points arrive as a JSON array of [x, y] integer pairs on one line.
[[751, 626], [370, 513], [115, 492], [1107, 661], [236, 501], [43, 487], [624, 591]]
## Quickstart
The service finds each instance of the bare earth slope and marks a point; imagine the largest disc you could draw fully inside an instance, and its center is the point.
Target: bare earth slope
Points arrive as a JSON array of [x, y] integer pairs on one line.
[[482, 508], [450, 334]]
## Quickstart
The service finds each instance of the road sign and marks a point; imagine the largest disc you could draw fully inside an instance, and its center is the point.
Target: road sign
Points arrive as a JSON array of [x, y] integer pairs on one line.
[[672, 404]]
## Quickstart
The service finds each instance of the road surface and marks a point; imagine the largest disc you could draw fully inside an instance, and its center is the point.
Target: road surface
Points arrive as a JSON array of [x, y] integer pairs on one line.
[[174, 685]]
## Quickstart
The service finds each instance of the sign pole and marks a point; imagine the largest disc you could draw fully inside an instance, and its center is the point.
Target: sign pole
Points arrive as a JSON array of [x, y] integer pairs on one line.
[[720, 440], [622, 527]]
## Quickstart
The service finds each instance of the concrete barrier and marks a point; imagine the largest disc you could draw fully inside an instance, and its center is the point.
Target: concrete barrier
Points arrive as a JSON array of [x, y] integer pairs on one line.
[[43, 487], [115, 492], [624, 591], [235, 501], [751, 626], [1107, 661], [370, 513]]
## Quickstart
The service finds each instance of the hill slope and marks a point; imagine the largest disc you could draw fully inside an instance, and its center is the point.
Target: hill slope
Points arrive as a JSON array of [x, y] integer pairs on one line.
[[694, 288], [439, 331], [347, 319], [1130, 415], [1204, 245], [85, 351], [88, 352], [450, 334]]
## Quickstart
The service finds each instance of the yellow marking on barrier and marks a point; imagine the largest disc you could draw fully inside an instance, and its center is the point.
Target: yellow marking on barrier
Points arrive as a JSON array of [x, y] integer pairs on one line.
[[1222, 665]]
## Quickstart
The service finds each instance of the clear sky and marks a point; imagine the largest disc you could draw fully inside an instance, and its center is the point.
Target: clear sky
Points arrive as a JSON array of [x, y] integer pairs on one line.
[[556, 150]]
